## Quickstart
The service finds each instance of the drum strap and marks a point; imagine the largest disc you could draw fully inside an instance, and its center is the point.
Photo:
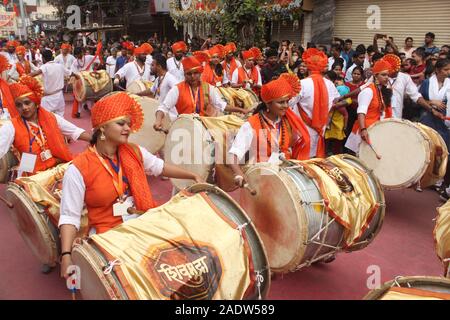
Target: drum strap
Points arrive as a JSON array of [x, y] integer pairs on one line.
[[205, 88]]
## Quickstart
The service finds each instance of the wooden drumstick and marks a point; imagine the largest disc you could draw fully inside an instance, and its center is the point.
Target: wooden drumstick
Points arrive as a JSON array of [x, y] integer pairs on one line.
[[8, 204], [373, 149], [163, 130], [252, 191]]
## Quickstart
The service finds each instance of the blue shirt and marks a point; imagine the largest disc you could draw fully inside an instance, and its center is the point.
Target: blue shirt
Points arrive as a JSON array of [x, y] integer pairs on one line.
[[121, 61], [348, 56], [431, 50]]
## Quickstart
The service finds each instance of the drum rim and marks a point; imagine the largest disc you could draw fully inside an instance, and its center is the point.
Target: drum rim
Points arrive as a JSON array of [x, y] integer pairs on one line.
[[80, 96], [7, 174], [427, 145], [197, 122], [201, 187], [375, 294], [141, 85], [86, 250], [44, 230], [300, 213]]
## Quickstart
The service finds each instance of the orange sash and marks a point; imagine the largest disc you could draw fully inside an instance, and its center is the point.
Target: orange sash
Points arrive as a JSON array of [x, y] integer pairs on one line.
[[210, 76], [7, 99], [233, 66], [23, 70]]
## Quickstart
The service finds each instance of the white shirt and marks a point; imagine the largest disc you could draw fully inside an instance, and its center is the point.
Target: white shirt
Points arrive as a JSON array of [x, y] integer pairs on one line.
[[306, 101], [12, 58], [235, 76], [331, 61], [66, 61], [15, 75], [81, 65], [8, 132], [132, 72], [74, 189], [148, 63], [168, 82], [348, 74], [402, 85], [111, 66], [175, 67], [227, 73], [53, 75], [169, 104]]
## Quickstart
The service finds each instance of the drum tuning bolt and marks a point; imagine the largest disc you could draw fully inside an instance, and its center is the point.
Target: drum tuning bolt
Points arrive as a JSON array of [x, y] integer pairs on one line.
[[8, 204], [252, 192]]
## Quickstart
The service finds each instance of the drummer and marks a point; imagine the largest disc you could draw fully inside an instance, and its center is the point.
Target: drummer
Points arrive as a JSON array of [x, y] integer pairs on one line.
[[110, 176], [213, 72], [37, 133], [134, 70], [7, 105], [174, 64], [65, 58], [53, 75], [374, 103], [22, 66], [164, 82], [192, 96], [247, 76], [230, 63], [273, 119]]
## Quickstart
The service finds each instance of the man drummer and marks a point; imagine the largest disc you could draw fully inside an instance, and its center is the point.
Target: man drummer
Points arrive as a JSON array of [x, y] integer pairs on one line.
[[164, 82], [53, 75], [248, 76], [83, 62], [174, 64], [22, 66], [37, 135], [10, 54], [230, 63], [192, 96], [134, 70], [213, 72], [65, 58], [315, 100]]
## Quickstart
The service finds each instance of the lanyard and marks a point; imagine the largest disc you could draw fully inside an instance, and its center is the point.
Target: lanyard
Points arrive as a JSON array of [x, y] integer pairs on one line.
[[139, 70], [118, 185], [158, 88], [278, 126], [40, 140], [196, 100]]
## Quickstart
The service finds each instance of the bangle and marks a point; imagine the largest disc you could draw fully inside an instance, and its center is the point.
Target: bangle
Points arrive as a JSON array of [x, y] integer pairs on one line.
[[65, 253], [238, 177]]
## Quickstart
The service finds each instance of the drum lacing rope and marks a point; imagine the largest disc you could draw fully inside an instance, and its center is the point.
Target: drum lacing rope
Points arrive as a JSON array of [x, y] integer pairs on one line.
[[110, 266], [240, 228], [398, 284], [259, 281]]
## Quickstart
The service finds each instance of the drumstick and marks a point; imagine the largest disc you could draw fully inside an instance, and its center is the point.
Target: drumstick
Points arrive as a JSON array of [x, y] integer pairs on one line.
[[252, 192], [8, 204], [373, 149], [163, 130]]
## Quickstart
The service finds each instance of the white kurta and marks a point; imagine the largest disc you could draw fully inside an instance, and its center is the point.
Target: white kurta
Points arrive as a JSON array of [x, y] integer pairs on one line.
[[402, 85], [306, 101], [168, 82], [15, 75], [82, 65], [235, 77], [111, 66], [175, 67], [53, 75], [169, 104], [132, 72], [74, 189], [8, 132]]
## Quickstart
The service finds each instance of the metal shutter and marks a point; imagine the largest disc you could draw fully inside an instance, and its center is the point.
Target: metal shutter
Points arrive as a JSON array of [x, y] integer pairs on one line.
[[399, 19], [286, 32]]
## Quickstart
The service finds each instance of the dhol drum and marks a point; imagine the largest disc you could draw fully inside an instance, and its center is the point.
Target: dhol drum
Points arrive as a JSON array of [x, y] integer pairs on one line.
[[7, 162], [138, 86], [412, 288], [35, 212], [242, 98], [200, 145], [147, 137], [92, 85], [173, 253], [307, 211], [441, 235], [410, 153]]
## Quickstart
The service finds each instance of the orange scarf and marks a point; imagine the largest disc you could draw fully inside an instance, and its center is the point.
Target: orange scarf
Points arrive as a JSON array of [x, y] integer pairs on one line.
[[133, 169], [23, 70], [300, 148], [210, 76], [233, 66], [7, 99]]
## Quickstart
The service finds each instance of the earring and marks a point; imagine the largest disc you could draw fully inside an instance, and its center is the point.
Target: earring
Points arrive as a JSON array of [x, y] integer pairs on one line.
[[102, 137]]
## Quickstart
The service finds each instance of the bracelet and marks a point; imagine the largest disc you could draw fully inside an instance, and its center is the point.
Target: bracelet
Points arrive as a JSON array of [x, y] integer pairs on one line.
[[238, 177], [65, 253]]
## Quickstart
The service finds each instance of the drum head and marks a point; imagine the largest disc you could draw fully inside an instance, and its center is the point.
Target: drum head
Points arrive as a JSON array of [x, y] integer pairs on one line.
[[147, 137], [138, 86], [30, 220], [189, 146], [94, 284], [277, 214], [433, 284], [79, 88], [404, 151]]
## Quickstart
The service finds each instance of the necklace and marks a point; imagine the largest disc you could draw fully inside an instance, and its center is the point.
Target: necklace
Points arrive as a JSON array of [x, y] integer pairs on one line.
[[139, 69], [265, 125], [78, 63]]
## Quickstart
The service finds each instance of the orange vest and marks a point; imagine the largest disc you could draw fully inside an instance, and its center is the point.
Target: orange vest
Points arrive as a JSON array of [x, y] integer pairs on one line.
[[185, 103], [210, 76], [100, 194], [242, 75], [374, 111]]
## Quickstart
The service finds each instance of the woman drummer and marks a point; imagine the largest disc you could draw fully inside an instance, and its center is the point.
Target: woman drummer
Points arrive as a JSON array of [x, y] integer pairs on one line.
[[274, 130], [110, 176], [374, 102], [37, 135]]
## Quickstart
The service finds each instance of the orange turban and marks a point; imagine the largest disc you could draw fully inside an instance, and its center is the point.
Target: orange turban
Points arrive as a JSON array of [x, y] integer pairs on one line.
[[179, 46], [4, 63], [21, 50], [230, 48], [256, 52], [117, 106], [12, 43], [191, 63], [139, 51], [394, 61], [148, 49], [27, 87], [66, 46], [247, 55], [316, 61], [202, 56], [286, 86], [217, 50], [380, 66]]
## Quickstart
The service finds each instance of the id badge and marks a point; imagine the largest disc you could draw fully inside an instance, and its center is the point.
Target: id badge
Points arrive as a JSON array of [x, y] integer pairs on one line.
[[218, 84], [120, 208], [46, 155], [27, 162]]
